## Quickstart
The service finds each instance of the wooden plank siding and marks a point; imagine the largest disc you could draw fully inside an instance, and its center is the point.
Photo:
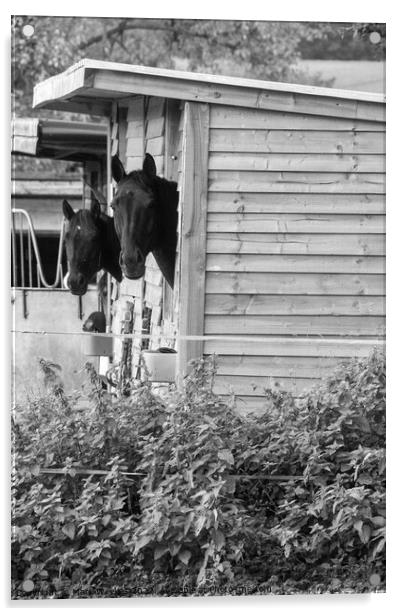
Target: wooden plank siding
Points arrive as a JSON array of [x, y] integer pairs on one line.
[[296, 243], [295, 203], [295, 247]]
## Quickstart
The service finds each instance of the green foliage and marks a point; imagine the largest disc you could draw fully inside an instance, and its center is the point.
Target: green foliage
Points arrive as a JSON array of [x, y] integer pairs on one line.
[[346, 42], [337, 514], [260, 49], [194, 496]]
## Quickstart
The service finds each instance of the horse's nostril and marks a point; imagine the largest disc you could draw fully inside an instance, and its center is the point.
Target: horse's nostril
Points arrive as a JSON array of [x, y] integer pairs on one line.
[[139, 256], [81, 280]]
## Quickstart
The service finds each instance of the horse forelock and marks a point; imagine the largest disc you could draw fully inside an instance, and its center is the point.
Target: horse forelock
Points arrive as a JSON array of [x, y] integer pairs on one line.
[[83, 221], [136, 179]]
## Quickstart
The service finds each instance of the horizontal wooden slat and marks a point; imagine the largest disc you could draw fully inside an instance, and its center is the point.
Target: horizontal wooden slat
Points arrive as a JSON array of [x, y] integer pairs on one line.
[[237, 117], [153, 294], [46, 188], [344, 163], [296, 203], [298, 284], [295, 325], [155, 107], [295, 243], [135, 146], [135, 109], [155, 127], [293, 347], [153, 276], [294, 223], [302, 141], [135, 129], [156, 146], [302, 367], [221, 303], [295, 263], [133, 163], [249, 386], [272, 181]]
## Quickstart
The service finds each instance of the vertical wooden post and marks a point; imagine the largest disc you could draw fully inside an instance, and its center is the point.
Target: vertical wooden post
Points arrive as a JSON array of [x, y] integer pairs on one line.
[[109, 197], [193, 200]]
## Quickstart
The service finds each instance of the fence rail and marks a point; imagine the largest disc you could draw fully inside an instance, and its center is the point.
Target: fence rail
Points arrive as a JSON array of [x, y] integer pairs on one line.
[[27, 267]]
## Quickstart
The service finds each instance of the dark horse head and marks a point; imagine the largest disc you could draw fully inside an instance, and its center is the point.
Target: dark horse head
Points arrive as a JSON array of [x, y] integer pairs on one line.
[[145, 218], [91, 245]]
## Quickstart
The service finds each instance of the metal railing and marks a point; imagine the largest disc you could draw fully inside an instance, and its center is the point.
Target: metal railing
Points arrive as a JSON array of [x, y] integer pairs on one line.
[[27, 267]]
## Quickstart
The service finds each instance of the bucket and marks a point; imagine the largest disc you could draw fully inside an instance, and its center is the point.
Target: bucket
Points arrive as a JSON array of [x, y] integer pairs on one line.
[[161, 366], [98, 346]]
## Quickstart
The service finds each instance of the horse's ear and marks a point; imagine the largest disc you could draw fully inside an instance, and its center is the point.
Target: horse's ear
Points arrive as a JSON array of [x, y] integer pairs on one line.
[[149, 166], [118, 172], [95, 209], [67, 210]]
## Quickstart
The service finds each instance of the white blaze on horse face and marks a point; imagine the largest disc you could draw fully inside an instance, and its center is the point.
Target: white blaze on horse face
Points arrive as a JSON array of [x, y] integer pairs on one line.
[[65, 285]]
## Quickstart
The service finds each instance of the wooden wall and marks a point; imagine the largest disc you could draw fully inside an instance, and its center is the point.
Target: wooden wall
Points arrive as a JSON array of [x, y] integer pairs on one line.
[[295, 247]]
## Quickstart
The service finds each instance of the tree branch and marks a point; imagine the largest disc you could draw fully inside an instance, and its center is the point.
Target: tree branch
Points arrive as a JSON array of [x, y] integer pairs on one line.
[[120, 29]]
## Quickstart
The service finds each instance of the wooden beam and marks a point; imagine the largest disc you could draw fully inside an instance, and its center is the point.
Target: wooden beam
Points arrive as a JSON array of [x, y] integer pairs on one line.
[[194, 191], [94, 78], [256, 95]]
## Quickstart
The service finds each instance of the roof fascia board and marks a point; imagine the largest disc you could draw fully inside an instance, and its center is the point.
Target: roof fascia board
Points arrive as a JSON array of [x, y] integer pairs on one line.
[[90, 76]]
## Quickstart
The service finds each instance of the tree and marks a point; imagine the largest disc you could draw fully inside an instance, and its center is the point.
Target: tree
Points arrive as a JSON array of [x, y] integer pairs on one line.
[[267, 50]]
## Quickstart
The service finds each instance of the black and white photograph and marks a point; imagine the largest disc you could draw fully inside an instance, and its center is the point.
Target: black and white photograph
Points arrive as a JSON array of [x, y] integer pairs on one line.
[[197, 269]]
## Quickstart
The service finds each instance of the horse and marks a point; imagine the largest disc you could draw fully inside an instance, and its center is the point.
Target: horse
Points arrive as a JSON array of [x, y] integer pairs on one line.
[[91, 245], [145, 218]]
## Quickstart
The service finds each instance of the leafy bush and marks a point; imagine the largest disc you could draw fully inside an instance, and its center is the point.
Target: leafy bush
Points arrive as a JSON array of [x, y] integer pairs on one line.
[[336, 516], [193, 494]]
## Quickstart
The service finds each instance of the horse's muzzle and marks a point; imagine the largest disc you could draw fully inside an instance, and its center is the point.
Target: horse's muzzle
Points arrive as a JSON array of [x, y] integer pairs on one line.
[[133, 268], [77, 284], [133, 274]]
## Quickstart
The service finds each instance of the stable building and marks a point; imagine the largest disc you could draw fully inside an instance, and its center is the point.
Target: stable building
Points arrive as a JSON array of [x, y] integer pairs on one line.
[[280, 268]]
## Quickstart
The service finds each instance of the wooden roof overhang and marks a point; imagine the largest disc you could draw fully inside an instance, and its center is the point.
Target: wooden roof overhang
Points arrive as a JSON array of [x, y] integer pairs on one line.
[[91, 87]]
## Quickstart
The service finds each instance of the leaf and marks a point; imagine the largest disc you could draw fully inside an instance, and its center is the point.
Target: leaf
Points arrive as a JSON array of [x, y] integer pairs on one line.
[[358, 525], [226, 456], [175, 549], [189, 519], [106, 519], [219, 539], [365, 533], [160, 551], [199, 524], [201, 576], [141, 542], [378, 520], [184, 556], [230, 484], [69, 530], [35, 469]]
